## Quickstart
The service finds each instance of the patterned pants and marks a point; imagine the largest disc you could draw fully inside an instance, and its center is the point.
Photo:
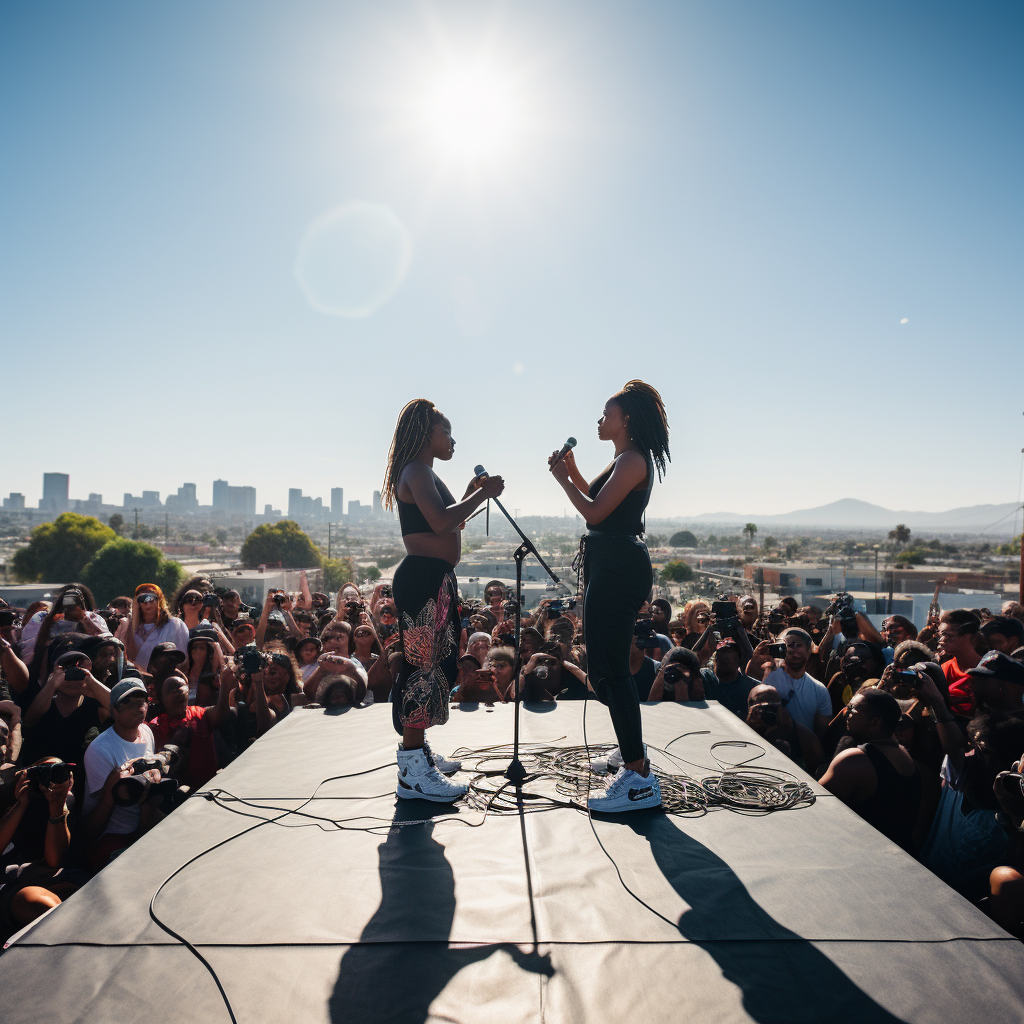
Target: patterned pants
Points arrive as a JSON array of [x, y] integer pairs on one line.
[[427, 599]]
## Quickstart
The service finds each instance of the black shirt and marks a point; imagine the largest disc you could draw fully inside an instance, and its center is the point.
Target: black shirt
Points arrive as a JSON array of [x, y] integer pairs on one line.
[[57, 735]]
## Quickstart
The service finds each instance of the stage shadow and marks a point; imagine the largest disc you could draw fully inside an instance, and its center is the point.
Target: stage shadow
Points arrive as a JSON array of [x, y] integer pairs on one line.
[[396, 981], [783, 977]]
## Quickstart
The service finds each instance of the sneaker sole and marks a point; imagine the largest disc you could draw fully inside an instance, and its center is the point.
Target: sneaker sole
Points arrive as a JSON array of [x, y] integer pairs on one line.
[[415, 794], [620, 806]]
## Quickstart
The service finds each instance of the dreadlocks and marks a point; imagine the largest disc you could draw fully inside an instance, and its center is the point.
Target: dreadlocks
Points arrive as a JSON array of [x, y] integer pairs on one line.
[[648, 425], [416, 423]]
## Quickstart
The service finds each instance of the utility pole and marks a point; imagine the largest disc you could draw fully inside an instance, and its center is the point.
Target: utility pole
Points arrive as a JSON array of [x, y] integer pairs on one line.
[[136, 534], [328, 540], [167, 527], [876, 579]]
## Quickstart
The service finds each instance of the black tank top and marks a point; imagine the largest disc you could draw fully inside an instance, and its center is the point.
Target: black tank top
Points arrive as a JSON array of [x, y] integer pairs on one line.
[[627, 517], [894, 806], [410, 517]]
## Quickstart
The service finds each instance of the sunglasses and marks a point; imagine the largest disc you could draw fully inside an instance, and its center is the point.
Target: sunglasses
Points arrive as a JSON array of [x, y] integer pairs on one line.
[[133, 703], [147, 598], [191, 600]]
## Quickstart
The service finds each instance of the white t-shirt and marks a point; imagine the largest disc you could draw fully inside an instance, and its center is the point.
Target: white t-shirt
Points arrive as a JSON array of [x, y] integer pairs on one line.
[[107, 752], [174, 631], [805, 696]]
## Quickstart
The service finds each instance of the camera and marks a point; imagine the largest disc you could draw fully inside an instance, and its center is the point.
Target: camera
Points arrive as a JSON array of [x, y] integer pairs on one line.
[[7, 617], [511, 606], [49, 774], [136, 788], [211, 601], [646, 638], [508, 639], [278, 599], [250, 657], [74, 673], [71, 598], [769, 715], [352, 611], [386, 591], [558, 606], [777, 650], [723, 610]]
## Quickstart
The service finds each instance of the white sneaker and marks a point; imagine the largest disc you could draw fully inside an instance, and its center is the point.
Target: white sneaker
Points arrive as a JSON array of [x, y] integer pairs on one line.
[[610, 763], [445, 765], [418, 779], [628, 791]]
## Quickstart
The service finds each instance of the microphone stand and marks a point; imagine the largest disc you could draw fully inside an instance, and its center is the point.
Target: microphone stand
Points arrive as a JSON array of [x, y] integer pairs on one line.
[[515, 772]]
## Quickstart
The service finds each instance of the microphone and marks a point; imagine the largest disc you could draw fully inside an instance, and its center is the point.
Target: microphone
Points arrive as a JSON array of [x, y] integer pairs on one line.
[[480, 471], [570, 443]]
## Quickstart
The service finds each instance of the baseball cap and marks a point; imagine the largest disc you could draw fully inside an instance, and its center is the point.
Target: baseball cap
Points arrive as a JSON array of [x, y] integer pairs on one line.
[[999, 666], [167, 648], [128, 687]]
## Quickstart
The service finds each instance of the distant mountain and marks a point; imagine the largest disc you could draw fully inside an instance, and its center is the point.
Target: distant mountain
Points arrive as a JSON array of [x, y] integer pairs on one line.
[[850, 512]]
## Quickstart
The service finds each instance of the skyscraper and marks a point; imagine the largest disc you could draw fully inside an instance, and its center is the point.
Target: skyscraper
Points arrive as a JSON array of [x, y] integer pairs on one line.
[[55, 492], [294, 501], [220, 495], [378, 509], [337, 502]]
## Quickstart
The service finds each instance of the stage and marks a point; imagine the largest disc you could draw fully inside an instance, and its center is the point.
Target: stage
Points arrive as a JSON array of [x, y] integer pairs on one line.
[[805, 914]]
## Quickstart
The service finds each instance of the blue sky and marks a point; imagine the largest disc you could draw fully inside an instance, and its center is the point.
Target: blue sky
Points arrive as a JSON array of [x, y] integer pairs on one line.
[[739, 202]]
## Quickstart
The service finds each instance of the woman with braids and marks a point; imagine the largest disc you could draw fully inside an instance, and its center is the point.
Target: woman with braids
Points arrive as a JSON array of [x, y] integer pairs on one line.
[[426, 593], [618, 575]]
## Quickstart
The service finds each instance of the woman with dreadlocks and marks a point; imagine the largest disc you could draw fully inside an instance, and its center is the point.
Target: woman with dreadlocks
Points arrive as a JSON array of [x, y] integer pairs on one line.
[[426, 593], [618, 577]]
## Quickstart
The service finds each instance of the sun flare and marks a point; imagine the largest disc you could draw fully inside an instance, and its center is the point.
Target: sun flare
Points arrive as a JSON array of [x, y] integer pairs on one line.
[[472, 114]]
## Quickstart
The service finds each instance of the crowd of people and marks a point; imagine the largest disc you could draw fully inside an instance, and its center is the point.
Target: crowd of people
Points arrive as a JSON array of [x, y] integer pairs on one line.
[[110, 716]]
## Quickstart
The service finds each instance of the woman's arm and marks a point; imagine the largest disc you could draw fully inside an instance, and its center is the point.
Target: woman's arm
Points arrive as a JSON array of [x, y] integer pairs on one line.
[[441, 518], [629, 471], [44, 698], [15, 670]]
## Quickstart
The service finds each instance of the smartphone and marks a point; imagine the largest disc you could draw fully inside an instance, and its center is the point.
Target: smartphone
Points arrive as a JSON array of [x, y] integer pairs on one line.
[[74, 673]]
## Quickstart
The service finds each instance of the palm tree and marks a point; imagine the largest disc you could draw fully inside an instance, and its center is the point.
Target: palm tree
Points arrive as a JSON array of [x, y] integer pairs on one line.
[[750, 529]]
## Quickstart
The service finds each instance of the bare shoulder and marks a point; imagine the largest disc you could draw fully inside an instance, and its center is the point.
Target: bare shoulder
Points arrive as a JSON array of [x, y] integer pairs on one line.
[[632, 465]]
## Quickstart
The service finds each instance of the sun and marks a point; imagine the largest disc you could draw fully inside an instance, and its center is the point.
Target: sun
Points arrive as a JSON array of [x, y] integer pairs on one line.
[[472, 114]]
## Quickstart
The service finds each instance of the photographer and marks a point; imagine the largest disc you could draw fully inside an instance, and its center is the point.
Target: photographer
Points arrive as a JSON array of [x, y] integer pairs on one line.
[[191, 728], [643, 666], [34, 842], [845, 623], [806, 699], [200, 612], [728, 684], [547, 676], [109, 828], [72, 702], [723, 623], [205, 663], [860, 664], [768, 716], [487, 684], [680, 678]]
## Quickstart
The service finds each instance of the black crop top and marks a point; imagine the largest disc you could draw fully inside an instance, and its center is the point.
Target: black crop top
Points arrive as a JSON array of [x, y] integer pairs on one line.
[[410, 517], [627, 517]]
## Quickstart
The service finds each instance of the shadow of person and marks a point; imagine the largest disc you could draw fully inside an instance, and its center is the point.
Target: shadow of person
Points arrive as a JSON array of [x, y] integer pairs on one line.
[[403, 959], [783, 977]]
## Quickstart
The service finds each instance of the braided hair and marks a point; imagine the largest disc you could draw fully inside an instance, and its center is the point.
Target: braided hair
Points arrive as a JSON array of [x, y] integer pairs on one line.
[[648, 425], [416, 423]]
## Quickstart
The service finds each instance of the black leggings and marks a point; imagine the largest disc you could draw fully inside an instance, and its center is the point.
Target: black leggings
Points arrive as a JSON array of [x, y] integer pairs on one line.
[[619, 578]]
